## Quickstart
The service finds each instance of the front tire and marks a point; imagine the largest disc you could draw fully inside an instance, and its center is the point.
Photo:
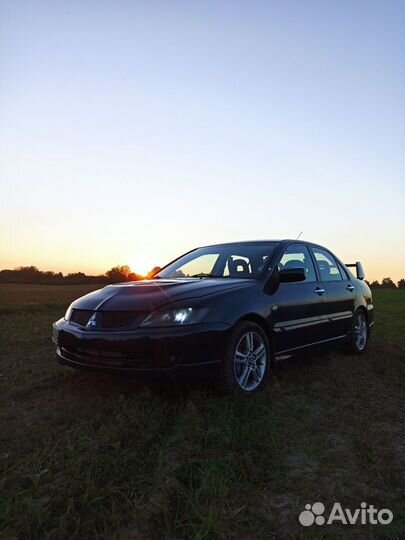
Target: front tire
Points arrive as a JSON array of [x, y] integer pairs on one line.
[[360, 333], [246, 366]]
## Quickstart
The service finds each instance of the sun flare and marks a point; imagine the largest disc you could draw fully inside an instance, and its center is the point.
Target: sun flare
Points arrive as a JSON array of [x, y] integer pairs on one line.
[[142, 265]]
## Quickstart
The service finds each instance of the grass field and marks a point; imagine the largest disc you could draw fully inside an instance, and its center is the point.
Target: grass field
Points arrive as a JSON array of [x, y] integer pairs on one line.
[[98, 456]]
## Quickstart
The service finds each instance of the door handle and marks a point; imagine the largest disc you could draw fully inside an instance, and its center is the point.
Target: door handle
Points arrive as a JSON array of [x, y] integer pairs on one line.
[[350, 288], [319, 291]]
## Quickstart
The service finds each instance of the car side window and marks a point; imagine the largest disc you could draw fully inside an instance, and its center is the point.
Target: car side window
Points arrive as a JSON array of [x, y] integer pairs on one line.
[[298, 256], [328, 267]]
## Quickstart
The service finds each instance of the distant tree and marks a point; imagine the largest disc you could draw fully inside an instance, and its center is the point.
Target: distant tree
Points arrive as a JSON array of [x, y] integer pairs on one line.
[[387, 283], [367, 282], [375, 284], [7, 276], [49, 277], [28, 274], [401, 283], [76, 278], [133, 276], [118, 274], [154, 271], [32, 269], [31, 274]]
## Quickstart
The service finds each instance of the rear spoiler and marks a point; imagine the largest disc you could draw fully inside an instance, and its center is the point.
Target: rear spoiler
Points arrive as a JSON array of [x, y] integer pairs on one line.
[[359, 269]]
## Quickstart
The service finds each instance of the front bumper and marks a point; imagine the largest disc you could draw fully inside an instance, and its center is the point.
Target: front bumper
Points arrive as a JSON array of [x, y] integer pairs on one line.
[[174, 350]]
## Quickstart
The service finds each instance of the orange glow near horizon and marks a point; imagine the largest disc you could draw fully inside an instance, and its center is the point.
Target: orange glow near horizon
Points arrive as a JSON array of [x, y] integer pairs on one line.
[[377, 263], [142, 265]]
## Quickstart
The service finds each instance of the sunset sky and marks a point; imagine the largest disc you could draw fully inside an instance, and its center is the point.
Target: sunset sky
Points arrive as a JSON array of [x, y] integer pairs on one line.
[[134, 131]]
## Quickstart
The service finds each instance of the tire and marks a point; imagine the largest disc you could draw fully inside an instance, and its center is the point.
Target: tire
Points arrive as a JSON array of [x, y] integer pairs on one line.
[[246, 366], [359, 334]]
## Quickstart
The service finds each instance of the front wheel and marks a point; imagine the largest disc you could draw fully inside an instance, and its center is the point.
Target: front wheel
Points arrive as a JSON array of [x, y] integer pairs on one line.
[[360, 334], [246, 365]]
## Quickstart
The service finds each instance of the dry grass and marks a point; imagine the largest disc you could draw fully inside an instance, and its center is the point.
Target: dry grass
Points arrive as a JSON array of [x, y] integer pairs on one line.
[[95, 456]]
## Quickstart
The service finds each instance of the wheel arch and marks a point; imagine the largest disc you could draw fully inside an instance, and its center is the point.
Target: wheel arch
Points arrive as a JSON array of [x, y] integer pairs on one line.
[[254, 317], [363, 309]]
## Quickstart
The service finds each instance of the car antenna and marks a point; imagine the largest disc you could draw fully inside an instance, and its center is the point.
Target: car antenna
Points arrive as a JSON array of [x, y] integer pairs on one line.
[[299, 235]]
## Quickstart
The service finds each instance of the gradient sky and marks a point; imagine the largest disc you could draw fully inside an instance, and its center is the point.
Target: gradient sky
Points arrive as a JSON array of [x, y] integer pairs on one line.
[[133, 131]]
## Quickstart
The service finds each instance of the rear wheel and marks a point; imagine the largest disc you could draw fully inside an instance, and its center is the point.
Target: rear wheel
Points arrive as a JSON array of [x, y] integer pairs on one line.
[[246, 366], [360, 334]]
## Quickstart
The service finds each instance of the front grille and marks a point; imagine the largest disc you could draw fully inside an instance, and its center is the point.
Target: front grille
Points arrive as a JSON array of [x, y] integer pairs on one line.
[[107, 319], [98, 353], [91, 356], [81, 316], [118, 319], [100, 357]]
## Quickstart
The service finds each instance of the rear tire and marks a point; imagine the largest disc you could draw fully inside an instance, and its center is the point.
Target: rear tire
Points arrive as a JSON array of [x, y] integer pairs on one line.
[[246, 366], [360, 333]]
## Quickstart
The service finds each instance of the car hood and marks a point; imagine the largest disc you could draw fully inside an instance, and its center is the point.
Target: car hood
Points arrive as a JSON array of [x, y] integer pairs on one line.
[[151, 294]]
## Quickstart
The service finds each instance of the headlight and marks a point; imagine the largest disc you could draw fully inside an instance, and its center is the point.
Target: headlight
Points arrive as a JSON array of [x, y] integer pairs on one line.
[[175, 317], [68, 313]]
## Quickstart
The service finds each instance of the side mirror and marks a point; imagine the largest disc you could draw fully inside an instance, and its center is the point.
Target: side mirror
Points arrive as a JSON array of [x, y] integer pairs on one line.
[[360, 274], [360, 270], [292, 275]]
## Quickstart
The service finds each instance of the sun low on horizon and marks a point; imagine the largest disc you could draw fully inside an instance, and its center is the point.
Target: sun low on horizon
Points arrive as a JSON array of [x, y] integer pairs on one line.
[[142, 265]]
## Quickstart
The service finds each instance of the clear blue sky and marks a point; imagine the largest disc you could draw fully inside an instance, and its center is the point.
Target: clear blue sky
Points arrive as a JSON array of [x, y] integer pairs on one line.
[[133, 131]]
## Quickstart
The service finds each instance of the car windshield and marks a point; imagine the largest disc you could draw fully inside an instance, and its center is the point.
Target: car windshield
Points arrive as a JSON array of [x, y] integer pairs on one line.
[[245, 261]]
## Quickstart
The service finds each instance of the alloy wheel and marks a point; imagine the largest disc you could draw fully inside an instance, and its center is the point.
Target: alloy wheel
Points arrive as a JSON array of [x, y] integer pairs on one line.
[[250, 361], [360, 331]]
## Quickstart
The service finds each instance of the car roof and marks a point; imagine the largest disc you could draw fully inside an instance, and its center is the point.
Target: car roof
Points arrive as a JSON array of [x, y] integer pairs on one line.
[[236, 243], [261, 242]]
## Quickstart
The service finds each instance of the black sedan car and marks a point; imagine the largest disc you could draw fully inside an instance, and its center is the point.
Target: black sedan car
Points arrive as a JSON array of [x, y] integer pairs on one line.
[[228, 310]]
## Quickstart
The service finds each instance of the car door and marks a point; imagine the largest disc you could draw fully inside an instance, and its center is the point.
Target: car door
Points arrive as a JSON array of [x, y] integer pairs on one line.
[[340, 294], [298, 306]]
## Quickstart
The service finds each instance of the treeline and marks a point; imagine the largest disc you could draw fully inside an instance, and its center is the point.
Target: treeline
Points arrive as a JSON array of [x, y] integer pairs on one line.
[[387, 283], [117, 274], [31, 274]]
